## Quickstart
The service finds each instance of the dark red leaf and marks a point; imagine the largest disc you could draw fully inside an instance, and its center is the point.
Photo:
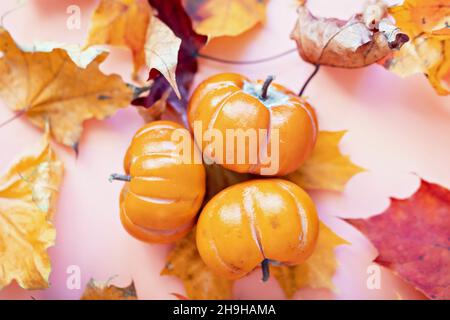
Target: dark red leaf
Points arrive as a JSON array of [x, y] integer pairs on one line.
[[173, 15], [413, 239]]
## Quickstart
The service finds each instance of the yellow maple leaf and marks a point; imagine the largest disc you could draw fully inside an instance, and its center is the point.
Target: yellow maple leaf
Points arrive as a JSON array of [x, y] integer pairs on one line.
[[185, 263], [104, 291], [418, 16], [122, 23], [27, 196], [216, 18], [327, 168], [49, 86], [317, 272], [427, 24]]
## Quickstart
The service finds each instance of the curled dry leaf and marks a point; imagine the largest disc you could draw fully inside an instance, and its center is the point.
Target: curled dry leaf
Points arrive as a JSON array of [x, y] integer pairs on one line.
[[185, 263], [27, 198], [104, 291], [216, 18], [173, 15], [49, 86], [131, 23], [413, 239], [317, 272], [161, 51], [327, 168], [427, 23], [122, 23], [362, 40]]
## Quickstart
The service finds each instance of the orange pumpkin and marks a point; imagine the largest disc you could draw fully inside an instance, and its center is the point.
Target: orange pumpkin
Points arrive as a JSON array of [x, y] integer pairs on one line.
[[163, 194], [231, 101], [255, 222]]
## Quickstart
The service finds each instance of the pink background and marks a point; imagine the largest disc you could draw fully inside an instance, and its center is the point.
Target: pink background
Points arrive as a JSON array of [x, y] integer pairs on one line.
[[397, 128]]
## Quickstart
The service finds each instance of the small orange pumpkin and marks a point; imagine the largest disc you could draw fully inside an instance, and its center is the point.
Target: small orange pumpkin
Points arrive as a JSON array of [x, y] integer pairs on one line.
[[257, 222], [163, 194], [231, 101]]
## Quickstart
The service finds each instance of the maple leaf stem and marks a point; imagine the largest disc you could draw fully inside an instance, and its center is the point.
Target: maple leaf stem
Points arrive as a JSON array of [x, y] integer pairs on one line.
[[16, 116], [119, 177], [311, 76], [226, 61], [265, 87], [265, 270]]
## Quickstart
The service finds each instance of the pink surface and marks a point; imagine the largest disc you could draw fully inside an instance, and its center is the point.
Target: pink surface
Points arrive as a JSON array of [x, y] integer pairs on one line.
[[397, 128]]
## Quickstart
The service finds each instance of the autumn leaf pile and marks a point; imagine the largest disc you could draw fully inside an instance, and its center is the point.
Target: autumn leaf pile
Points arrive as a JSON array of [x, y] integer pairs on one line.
[[58, 88]]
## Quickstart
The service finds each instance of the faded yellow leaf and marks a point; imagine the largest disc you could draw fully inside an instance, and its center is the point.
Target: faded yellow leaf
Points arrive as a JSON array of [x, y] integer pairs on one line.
[[419, 16], [122, 23], [161, 51], [185, 263], [317, 272], [27, 197], [48, 86], [104, 291], [216, 18], [327, 168], [427, 24]]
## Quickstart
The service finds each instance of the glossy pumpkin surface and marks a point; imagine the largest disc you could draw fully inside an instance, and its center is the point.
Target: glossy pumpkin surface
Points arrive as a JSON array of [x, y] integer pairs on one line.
[[260, 219], [231, 101], [164, 194]]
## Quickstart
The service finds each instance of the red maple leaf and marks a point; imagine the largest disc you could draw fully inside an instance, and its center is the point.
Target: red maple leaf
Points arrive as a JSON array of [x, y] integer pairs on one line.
[[413, 239]]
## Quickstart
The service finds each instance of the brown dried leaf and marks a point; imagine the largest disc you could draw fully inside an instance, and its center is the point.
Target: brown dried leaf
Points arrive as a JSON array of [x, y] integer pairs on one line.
[[362, 40], [104, 291], [161, 51]]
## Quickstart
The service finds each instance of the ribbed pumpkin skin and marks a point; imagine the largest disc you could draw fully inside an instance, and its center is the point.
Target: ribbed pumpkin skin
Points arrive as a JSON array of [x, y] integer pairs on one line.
[[230, 101], [255, 220], [161, 201]]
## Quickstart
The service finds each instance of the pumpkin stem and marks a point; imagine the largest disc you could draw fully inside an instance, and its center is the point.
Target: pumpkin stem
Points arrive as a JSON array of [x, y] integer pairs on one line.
[[265, 270], [265, 87], [311, 76], [119, 177]]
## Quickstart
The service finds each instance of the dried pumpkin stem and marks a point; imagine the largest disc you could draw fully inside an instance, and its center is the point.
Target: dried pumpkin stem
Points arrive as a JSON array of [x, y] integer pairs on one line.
[[265, 270], [119, 177], [265, 87]]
